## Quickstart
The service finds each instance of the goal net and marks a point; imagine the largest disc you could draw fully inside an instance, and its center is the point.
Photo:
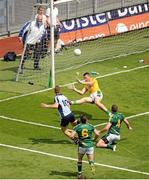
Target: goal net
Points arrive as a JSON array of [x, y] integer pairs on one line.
[[102, 31]]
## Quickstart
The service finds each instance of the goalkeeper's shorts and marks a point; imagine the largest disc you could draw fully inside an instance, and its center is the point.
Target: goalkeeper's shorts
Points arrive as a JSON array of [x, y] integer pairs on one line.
[[96, 94]]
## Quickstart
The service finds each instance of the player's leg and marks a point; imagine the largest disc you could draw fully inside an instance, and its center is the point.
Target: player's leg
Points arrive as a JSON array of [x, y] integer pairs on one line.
[[90, 156], [72, 120], [66, 131], [82, 100], [64, 123], [106, 142], [97, 101], [37, 56], [81, 152]]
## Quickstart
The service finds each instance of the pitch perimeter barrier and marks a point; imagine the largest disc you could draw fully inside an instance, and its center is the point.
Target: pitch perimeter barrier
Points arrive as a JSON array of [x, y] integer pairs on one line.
[[94, 26], [105, 24]]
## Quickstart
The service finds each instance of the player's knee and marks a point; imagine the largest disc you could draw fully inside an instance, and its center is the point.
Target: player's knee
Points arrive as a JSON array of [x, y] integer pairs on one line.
[[100, 143], [97, 101], [75, 122]]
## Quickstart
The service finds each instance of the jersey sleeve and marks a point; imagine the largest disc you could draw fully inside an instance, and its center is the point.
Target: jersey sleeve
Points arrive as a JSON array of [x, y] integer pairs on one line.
[[122, 116]]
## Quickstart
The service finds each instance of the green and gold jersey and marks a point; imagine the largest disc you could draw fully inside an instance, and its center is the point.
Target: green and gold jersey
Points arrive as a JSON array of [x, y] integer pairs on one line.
[[85, 132], [116, 121]]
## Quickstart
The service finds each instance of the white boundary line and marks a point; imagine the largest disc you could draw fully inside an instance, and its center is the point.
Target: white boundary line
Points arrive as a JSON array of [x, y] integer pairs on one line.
[[73, 159], [54, 127], [129, 117], [101, 60], [22, 95], [115, 73], [29, 122]]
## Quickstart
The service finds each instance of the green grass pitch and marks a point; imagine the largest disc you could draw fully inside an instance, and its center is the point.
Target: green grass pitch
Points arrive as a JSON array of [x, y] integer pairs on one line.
[[45, 153]]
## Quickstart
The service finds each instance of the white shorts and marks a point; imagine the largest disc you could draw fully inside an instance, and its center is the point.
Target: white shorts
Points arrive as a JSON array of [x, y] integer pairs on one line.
[[96, 94], [88, 151], [113, 137]]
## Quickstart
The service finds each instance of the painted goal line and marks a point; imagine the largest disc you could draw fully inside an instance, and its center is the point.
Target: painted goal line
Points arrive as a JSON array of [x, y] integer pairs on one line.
[[44, 90], [72, 159], [54, 127]]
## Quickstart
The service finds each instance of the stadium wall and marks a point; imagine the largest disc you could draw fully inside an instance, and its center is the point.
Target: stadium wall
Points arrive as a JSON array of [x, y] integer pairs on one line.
[[105, 24], [81, 26]]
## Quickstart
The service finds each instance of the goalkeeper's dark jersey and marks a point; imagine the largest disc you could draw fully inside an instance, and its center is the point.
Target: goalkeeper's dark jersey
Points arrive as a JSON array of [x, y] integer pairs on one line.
[[116, 121]]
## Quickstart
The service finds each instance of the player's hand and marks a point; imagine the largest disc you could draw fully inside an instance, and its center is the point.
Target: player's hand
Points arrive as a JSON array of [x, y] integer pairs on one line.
[[43, 105], [79, 81]]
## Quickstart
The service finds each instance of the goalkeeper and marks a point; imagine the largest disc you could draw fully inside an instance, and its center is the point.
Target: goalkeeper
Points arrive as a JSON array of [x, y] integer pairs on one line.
[[91, 85]]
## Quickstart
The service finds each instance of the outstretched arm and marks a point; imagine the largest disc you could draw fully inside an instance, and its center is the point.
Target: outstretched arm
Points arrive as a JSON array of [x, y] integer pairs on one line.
[[85, 82], [96, 132], [106, 128], [52, 106], [127, 124], [81, 92]]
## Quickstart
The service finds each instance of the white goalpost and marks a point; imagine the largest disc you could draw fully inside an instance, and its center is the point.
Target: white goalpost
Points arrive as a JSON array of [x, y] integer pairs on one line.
[[87, 25], [24, 74]]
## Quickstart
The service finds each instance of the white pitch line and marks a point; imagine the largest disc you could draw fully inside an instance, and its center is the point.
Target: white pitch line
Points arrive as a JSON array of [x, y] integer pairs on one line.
[[29, 122], [140, 114], [54, 127], [100, 124], [98, 77], [129, 117], [100, 60], [111, 74], [72, 159]]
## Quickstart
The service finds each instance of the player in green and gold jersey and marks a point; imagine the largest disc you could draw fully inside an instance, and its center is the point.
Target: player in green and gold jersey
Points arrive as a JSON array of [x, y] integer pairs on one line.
[[85, 133], [113, 129], [90, 85]]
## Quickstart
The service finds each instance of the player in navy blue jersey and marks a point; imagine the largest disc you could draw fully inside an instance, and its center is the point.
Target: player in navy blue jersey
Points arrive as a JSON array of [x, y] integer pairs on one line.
[[62, 104]]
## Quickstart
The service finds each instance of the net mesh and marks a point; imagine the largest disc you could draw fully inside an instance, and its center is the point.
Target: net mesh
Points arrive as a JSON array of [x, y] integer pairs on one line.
[[91, 51]]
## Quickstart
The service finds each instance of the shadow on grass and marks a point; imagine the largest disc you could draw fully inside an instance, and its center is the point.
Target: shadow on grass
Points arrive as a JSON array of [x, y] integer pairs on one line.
[[13, 69], [89, 116], [49, 141], [64, 173]]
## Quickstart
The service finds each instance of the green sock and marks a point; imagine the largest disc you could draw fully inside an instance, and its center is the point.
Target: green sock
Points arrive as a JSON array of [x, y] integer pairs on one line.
[[73, 102], [107, 112], [79, 167], [91, 162], [109, 146]]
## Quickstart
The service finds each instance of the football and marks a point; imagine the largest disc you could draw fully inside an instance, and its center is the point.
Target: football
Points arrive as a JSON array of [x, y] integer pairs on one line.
[[77, 52]]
